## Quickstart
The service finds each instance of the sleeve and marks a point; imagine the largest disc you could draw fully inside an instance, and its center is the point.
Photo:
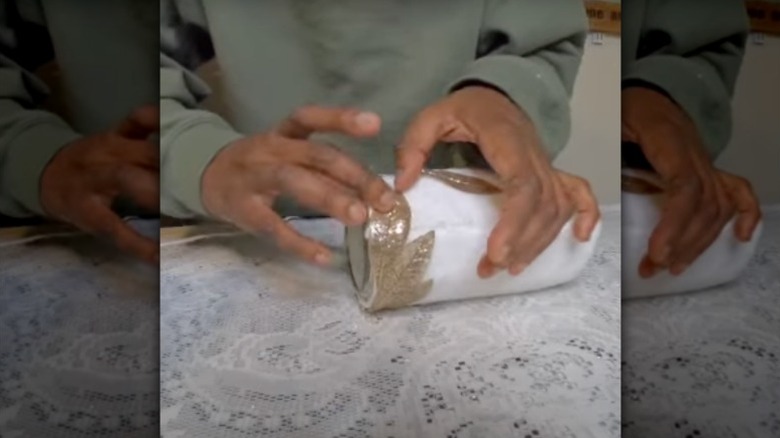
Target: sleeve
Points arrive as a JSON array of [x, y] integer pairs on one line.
[[190, 137], [531, 51], [29, 137], [693, 57]]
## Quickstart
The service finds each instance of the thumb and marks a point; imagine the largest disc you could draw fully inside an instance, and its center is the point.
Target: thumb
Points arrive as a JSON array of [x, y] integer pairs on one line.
[[748, 208], [585, 205], [411, 155], [142, 123]]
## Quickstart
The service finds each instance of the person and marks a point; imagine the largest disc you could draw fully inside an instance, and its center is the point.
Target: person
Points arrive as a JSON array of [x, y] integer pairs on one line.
[[327, 96], [679, 68], [74, 164]]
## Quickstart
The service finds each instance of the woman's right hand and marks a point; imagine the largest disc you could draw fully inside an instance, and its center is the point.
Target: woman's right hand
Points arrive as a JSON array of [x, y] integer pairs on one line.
[[241, 183]]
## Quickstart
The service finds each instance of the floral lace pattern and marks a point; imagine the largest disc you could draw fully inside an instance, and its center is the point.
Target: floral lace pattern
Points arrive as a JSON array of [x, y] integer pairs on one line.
[[76, 321], [254, 343], [257, 344], [707, 363]]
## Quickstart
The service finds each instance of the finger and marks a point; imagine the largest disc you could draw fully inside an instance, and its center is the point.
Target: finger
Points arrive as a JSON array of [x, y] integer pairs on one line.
[[142, 123], [255, 217], [418, 142], [585, 204], [516, 213], [141, 186], [101, 221], [320, 193], [704, 229], [485, 269], [310, 119], [339, 166], [669, 156], [535, 238], [647, 268], [291, 241], [668, 151], [678, 211], [539, 234], [747, 206], [136, 152], [695, 241]]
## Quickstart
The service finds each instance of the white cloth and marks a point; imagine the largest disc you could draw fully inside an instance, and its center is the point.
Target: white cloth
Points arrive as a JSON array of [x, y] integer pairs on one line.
[[78, 339], [707, 363], [463, 223], [254, 343], [723, 261]]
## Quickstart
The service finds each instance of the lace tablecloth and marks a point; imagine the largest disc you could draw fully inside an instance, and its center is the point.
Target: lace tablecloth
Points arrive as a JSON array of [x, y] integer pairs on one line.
[[707, 364], [254, 343], [78, 340]]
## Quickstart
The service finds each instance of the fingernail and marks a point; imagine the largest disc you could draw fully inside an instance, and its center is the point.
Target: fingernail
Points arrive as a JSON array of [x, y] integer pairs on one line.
[[356, 212], [322, 259], [387, 200], [366, 120]]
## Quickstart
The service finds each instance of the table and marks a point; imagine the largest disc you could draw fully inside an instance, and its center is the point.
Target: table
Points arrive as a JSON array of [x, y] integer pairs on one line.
[[254, 343], [708, 363], [78, 337]]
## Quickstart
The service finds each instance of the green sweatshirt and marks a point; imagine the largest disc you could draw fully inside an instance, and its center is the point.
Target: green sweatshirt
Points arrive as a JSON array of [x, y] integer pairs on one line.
[[393, 57], [692, 51], [107, 55]]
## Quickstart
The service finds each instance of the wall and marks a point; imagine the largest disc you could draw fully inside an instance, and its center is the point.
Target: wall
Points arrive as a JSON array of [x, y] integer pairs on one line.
[[593, 151], [754, 150]]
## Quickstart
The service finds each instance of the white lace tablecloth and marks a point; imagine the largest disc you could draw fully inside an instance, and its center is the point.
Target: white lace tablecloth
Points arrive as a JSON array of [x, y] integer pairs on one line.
[[78, 340], [707, 364], [254, 343]]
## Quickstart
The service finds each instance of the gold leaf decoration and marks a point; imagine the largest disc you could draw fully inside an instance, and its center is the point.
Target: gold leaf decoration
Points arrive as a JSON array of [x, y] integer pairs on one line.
[[464, 183], [397, 267]]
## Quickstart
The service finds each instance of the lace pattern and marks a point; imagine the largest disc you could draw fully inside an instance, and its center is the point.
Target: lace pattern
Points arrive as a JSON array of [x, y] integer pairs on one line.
[[707, 363], [76, 322], [254, 343]]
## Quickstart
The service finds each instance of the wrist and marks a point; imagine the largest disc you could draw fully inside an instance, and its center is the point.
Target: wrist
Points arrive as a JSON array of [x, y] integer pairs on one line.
[[483, 89], [213, 178]]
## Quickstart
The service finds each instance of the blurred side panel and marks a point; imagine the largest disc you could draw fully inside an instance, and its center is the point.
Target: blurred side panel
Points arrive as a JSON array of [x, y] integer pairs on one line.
[[79, 319], [706, 363]]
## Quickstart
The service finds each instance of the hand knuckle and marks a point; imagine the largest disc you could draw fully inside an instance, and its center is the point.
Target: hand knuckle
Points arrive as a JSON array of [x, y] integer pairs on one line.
[[328, 156], [335, 204], [550, 211], [668, 130], [744, 182], [283, 242], [300, 112], [524, 185], [688, 184], [372, 185], [270, 227], [710, 212], [282, 172], [270, 139]]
